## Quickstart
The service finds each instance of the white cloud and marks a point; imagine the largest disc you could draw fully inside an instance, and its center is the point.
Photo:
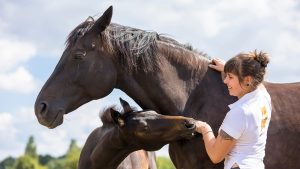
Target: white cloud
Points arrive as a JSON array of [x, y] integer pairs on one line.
[[13, 76], [6, 122], [19, 81], [8, 137], [14, 53]]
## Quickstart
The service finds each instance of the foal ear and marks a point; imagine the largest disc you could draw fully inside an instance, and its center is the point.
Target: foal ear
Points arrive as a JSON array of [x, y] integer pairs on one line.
[[125, 105], [102, 23], [117, 117]]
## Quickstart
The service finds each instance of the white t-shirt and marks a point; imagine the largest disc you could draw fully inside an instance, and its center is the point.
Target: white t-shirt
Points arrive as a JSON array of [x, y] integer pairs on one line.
[[248, 121]]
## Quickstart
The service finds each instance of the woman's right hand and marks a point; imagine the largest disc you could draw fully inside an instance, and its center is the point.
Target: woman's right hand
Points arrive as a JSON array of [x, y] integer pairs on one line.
[[217, 64]]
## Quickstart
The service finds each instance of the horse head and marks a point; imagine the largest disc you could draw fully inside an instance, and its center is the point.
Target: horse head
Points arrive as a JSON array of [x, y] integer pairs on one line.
[[149, 130], [85, 72]]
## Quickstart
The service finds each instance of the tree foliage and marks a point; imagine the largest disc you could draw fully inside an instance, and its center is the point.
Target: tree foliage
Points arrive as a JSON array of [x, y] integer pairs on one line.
[[8, 163], [27, 162], [31, 160], [69, 160], [164, 163], [45, 159], [30, 149]]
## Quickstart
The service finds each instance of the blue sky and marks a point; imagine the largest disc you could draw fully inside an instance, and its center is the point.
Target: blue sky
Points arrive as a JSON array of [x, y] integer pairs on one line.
[[33, 32]]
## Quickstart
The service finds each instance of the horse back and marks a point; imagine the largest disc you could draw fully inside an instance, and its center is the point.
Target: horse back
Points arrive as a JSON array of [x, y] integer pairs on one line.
[[285, 104], [284, 130]]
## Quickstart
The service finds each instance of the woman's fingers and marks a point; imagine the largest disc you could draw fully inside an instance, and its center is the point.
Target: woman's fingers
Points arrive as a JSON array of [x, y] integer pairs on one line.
[[199, 126], [217, 64]]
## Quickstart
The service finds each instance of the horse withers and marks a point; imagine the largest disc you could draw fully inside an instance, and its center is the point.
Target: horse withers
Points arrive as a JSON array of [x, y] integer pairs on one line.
[[129, 131]]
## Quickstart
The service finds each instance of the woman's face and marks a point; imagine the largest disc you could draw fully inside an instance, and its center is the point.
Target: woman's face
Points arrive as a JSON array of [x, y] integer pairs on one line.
[[234, 86]]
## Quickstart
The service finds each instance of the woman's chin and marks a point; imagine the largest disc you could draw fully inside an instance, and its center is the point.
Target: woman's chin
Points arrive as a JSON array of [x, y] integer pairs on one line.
[[232, 94]]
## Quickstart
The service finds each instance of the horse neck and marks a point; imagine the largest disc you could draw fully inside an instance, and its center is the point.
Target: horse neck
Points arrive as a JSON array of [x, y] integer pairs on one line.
[[111, 149], [166, 90]]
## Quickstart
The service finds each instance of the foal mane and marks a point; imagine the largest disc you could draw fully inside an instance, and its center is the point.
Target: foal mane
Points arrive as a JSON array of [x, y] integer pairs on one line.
[[105, 115], [135, 48]]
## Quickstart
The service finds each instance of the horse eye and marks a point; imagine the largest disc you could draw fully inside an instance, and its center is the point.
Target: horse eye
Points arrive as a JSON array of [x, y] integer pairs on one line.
[[79, 54], [93, 45]]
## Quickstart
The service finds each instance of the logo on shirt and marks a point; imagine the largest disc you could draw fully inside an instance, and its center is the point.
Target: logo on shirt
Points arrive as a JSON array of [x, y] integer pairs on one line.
[[264, 117]]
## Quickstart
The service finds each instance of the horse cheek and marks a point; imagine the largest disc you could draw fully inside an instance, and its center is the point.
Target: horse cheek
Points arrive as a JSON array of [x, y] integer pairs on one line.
[[104, 79]]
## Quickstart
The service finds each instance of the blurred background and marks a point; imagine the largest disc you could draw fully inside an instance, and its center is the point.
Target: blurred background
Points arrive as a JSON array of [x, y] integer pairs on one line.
[[33, 32]]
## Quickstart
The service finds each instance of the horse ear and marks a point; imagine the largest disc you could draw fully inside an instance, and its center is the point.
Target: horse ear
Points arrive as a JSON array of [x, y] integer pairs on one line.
[[117, 117], [102, 23], [125, 105]]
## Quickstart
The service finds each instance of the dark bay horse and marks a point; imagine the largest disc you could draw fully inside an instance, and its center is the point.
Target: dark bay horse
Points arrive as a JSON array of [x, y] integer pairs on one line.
[[162, 75], [124, 133]]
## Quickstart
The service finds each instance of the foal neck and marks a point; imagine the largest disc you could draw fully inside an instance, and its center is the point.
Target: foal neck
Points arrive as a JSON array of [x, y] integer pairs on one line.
[[111, 149]]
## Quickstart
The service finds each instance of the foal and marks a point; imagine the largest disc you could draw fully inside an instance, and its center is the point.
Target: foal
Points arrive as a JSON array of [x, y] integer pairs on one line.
[[124, 133]]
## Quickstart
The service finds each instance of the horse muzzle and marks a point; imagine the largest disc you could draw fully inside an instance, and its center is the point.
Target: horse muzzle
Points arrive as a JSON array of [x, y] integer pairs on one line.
[[46, 117]]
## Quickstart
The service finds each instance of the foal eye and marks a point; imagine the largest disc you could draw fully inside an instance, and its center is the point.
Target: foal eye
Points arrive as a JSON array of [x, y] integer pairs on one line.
[[146, 128]]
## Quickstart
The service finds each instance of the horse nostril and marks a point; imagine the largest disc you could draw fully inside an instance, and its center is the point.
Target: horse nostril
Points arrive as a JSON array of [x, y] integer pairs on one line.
[[189, 125], [43, 107]]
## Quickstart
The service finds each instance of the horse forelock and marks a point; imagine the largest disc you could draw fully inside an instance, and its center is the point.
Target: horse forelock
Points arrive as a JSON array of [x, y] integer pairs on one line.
[[79, 31], [105, 114]]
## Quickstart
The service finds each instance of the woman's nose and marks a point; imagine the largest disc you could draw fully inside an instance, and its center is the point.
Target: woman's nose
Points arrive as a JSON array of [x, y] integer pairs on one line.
[[225, 80]]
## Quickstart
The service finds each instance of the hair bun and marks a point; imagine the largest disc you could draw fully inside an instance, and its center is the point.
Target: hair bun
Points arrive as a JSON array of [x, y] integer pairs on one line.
[[261, 57]]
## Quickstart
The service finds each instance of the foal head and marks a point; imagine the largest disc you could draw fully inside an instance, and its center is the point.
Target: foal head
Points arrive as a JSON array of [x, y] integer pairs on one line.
[[149, 130]]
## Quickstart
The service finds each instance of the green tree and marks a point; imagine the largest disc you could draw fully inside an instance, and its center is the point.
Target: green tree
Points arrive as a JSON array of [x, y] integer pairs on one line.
[[45, 159], [27, 162], [56, 164], [69, 160], [8, 163], [30, 149], [73, 148], [164, 163], [72, 156]]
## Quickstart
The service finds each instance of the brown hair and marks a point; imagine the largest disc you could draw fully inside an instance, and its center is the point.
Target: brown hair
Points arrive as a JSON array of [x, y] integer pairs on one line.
[[248, 64]]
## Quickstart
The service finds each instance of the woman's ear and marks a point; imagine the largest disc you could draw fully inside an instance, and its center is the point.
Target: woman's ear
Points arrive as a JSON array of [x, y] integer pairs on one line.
[[248, 80], [117, 117]]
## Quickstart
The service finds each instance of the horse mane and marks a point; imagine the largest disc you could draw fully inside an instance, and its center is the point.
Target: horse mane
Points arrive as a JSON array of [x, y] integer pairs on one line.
[[136, 49]]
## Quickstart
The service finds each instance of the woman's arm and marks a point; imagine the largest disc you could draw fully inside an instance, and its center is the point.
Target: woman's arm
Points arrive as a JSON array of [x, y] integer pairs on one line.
[[216, 148]]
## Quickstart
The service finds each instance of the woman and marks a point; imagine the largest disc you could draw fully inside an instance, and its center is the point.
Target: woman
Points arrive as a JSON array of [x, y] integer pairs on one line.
[[242, 136]]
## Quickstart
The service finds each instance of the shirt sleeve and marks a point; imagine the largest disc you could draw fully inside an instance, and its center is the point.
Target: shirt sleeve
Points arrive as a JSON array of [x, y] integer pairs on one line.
[[234, 123]]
